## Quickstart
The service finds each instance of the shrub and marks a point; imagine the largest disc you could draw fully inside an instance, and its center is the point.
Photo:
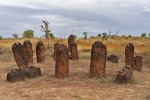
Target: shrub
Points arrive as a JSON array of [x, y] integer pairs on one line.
[[1, 38], [143, 35], [28, 34]]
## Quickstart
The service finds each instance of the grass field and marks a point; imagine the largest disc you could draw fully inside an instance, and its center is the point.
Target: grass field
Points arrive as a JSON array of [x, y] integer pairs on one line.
[[78, 86]]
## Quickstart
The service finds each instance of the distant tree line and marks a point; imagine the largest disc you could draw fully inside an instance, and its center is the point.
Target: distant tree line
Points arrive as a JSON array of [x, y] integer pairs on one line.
[[145, 35], [30, 34]]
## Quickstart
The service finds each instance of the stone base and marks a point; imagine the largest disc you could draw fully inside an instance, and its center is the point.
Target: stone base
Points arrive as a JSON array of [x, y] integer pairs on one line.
[[22, 73]]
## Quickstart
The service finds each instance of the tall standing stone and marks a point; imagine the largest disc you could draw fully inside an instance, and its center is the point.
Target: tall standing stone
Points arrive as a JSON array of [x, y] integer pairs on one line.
[[62, 62], [74, 51], [137, 63], [70, 40], [56, 45], [19, 55], [28, 51], [40, 52], [98, 60], [129, 54]]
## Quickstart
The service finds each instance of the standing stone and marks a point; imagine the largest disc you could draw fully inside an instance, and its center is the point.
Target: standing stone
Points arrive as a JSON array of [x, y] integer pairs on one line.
[[28, 51], [40, 52], [98, 60], [56, 45], [62, 62], [137, 63], [74, 51], [19, 55], [129, 54], [70, 40]]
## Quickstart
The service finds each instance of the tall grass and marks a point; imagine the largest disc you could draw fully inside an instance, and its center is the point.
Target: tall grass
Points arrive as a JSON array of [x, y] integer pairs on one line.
[[113, 45]]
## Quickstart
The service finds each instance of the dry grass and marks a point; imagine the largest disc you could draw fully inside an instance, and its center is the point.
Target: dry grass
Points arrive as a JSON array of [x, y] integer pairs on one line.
[[78, 86], [114, 46]]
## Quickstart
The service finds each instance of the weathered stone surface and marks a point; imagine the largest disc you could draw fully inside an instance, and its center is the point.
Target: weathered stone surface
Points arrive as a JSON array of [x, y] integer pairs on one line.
[[98, 60], [129, 54], [62, 62], [19, 55], [28, 51], [147, 97], [22, 73], [56, 45], [40, 52], [137, 63], [125, 75], [112, 58], [70, 40], [74, 51]]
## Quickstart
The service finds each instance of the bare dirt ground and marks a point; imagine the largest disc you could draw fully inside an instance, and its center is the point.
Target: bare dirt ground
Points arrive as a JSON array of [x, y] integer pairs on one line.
[[78, 86]]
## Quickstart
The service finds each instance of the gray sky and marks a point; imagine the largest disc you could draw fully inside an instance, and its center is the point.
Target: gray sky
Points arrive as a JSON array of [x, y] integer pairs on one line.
[[129, 17]]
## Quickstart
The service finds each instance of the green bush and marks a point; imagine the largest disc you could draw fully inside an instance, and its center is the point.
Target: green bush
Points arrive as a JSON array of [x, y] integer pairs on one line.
[[143, 35], [28, 34], [85, 35], [1, 38]]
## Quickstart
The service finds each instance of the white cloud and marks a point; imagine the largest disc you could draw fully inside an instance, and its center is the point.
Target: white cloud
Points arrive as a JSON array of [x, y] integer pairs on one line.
[[91, 15], [147, 10]]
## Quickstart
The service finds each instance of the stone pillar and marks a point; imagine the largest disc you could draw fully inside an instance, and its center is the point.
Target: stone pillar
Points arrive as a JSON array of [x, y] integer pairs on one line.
[[74, 51], [56, 45], [137, 63], [129, 54], [28, 51], [98, 60], [19, 55], [62, 62], [40, 52], [70, 40]]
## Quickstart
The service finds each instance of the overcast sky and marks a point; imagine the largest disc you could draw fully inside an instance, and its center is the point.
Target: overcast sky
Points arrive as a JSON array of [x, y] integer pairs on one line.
[[129, 17]]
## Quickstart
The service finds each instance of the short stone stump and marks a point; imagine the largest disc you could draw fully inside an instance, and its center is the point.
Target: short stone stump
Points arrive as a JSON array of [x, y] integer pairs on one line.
[[137, 63], [125, 75], [21, 73], [112, 58]]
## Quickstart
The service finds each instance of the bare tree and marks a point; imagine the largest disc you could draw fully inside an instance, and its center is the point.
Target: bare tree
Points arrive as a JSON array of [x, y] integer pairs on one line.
[[112, 35], [116, 33], [47, 31], [109, 33]]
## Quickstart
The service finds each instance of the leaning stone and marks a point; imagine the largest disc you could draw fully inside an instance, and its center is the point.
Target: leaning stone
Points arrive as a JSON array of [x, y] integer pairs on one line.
[[19, 55]]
